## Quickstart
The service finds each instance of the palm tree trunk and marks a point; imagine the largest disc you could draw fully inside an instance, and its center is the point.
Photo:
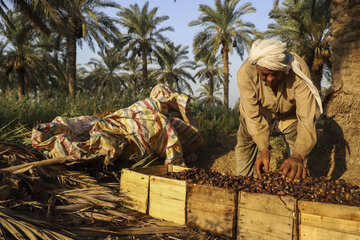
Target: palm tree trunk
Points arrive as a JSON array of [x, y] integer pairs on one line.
[[144, 70], [4, 84], [226, 76], [71, 73], [316, 77], [211, 88], [21, 82], [135, 87]]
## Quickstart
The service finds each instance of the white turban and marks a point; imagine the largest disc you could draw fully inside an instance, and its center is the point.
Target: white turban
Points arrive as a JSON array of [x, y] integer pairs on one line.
[[269, 54], [272, 54]]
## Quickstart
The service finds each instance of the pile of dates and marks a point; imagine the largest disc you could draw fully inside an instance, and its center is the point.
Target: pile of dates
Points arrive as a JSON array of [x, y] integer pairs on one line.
[[311, 188]]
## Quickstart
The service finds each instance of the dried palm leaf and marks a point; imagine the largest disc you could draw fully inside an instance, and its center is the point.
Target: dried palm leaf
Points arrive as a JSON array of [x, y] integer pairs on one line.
[[95, 196], [21, 230], [145, 162], [73, 178]]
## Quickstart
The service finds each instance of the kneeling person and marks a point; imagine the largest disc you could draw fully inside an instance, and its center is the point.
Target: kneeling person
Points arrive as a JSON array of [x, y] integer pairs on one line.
[[275, 92]]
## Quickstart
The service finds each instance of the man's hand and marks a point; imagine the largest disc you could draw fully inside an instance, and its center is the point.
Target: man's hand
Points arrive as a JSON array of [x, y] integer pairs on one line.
[[293, 167], [262, 160]]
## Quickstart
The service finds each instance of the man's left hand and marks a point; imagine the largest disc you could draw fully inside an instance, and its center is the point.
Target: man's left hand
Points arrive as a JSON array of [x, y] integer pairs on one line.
[[293, 167]]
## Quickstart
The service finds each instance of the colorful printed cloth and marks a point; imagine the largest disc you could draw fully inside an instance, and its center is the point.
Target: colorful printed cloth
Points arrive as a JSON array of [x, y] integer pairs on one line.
[[157, 125]]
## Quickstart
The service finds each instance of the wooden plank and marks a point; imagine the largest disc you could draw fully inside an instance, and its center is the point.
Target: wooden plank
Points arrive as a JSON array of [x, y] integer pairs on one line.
[[279, 205], [330, 210], [134, 189], [312, 233], [155, 170], [167, 199], [265, 223], [334, 224], [174, 168], [246, 234], [211, 209], [263, 216]]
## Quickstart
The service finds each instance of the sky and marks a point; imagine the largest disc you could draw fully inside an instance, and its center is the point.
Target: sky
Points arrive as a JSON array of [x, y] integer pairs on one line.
[[180, 14]]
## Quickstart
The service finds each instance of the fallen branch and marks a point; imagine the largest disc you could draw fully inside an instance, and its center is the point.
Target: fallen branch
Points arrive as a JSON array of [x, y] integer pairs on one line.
[[139, 231], [26, 166]]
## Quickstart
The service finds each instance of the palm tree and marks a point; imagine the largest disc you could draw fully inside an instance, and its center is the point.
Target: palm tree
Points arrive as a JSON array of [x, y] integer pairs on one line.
[[84, 21], [208, 98], [304, 26], [106, 70], [210, 71], [131, 74], [174, 64], [3, 62], [20, 51], [142, 35], [224, 30], [76, 20], [51, 50]]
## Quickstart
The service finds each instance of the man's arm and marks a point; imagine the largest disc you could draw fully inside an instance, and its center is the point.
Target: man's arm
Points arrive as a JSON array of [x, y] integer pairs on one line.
[[306, 132], [256, 124]]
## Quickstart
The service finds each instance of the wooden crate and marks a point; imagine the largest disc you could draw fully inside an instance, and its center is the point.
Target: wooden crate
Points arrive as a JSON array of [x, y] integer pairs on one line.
[[212, 209], [266, 217], [167, 198], [134, 185], [328, 221]]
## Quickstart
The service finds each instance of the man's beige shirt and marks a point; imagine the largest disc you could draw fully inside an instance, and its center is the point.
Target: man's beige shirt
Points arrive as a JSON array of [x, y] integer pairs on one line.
[[293, 101]]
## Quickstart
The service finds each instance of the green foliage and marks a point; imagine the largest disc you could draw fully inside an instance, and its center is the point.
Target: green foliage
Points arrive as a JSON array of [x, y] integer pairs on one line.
[[224, 30], [44, 108], [215, 121], [304, 27]]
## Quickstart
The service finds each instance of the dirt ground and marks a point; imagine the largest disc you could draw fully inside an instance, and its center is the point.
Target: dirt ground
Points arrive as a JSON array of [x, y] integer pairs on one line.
[[221, 156]]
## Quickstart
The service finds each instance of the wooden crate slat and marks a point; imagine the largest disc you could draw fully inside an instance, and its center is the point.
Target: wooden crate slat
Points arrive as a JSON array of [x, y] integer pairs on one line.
[[334, 224], [168, 187], [265, 223], [174, 168], [216, 195], [330, 210], [167, 199], [312, 233], [134, 190], [211, 209], [279, 205], [246, 234], [215, 207], [156, 170]]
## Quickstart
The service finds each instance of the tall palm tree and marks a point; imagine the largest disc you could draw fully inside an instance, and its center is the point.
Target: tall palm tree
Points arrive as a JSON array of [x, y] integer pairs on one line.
[[51, 50], [174, 66], [210, 71], [3, 62], [84, 21], [76, 20], [224, 30], [143, 33], [131, 74], [22, 57], [304, 26]]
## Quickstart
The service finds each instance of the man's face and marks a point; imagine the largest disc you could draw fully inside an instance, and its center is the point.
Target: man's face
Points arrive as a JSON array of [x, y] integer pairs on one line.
[[270, 77]]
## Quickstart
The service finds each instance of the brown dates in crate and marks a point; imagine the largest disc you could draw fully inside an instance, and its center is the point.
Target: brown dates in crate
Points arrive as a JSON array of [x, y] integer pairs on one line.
[[311, 188]]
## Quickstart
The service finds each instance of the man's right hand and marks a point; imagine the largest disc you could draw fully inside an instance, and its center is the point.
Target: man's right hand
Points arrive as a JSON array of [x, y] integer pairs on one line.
[[262, 160]]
